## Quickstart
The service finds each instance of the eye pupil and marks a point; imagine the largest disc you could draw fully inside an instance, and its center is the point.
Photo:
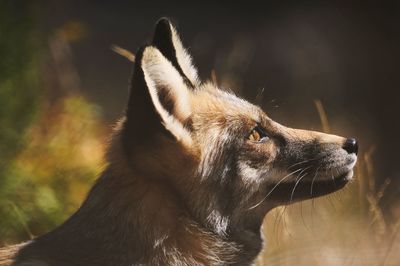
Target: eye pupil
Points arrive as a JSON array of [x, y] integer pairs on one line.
[[258, 134]]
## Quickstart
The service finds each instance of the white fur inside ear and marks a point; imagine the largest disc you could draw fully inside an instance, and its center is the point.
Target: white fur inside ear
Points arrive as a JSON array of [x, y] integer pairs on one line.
[[162, 78], [184, 59]]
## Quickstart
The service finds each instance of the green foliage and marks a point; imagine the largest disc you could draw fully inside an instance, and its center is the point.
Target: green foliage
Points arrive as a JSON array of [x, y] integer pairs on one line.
[[18, 98], [50, 153], [18, 75]]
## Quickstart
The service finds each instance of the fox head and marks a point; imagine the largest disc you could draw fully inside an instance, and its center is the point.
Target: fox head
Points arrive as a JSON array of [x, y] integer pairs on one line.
[[220, 156]]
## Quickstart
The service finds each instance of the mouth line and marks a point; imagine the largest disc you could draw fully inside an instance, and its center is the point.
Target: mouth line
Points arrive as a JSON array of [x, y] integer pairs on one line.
[[337, 181], [290, 192]]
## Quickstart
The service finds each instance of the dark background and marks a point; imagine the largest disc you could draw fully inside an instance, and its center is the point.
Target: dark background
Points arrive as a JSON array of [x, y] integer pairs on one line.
[[346, 56]]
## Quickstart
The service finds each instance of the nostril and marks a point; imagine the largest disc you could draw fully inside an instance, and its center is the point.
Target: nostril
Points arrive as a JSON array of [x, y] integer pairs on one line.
[[351, 145]]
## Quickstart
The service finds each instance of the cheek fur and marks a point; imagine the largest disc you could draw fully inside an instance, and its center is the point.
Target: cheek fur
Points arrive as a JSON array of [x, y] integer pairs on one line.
[[254, 164], [257, 155]]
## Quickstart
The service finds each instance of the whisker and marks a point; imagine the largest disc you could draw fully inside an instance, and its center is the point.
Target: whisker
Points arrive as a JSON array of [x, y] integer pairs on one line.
[[298, 181], [276, 185], [295, 185], [333, 178], [302, 217], [312, 206], [282, 218], [329, 199], [260, 96], [305, 161], [312, 182]]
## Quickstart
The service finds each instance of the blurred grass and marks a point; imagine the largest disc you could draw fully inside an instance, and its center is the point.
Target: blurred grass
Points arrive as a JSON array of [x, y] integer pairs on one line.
[[50, 146], [18, 78], [19, 100]]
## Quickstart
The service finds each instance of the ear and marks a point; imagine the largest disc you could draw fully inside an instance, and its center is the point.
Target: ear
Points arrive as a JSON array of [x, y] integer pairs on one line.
[[159, 102], [166, 39], [168, 92]]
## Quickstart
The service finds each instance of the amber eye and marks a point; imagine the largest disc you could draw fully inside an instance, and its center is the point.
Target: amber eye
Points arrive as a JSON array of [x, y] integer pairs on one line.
[[258, 134]]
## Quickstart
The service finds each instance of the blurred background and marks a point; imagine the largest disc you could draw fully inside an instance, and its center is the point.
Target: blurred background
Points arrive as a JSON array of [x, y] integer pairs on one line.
[[333, 68]]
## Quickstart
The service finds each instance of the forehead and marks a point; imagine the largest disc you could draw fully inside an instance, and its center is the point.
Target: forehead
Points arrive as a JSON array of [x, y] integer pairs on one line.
[[214, 102]]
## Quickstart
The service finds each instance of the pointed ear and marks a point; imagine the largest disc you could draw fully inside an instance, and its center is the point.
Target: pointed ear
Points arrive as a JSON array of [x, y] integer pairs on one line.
[[159, 100], [166, 39]]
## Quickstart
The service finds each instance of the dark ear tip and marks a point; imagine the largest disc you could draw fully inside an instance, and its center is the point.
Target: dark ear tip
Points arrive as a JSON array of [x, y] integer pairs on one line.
[[162, 34], [163, 22]]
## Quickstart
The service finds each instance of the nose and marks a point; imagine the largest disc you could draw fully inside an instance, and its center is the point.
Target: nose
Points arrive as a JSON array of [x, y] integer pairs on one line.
[[351, 145]]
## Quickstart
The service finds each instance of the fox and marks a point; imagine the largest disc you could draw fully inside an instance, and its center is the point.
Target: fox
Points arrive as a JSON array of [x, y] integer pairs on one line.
[[192, 171]]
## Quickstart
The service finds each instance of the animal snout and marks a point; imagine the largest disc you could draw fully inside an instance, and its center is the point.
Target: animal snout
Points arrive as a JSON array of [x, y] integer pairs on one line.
[[351, 146]]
